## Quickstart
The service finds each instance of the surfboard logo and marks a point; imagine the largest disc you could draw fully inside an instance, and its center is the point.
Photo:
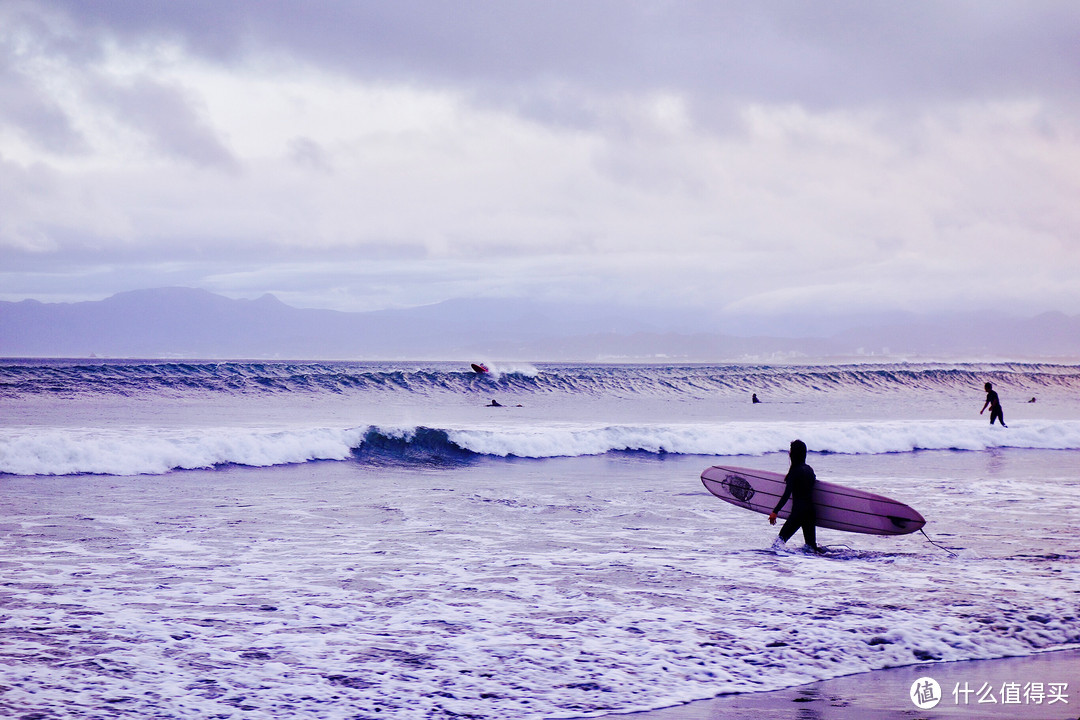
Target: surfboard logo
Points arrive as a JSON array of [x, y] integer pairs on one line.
[[899, 522], [738, 488]]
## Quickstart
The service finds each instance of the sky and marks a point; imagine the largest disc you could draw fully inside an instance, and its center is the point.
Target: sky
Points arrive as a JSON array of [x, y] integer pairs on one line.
[[756, 159]]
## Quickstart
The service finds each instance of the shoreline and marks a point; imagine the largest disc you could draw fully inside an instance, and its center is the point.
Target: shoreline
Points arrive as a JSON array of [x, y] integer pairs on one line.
[[966, 688]]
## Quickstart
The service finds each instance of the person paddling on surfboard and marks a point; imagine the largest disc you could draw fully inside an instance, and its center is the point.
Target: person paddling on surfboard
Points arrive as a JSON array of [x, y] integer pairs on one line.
[[799, 486]]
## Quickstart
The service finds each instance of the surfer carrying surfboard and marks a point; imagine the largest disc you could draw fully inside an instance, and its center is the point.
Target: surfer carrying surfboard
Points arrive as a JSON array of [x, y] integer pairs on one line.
[[799, 486]]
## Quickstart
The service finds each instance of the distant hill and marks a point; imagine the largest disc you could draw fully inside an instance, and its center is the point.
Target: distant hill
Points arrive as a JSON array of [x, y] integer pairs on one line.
[[190, 323]]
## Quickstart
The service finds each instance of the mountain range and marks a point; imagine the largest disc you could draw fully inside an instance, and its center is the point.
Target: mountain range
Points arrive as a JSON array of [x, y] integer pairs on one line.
[[192, 323]]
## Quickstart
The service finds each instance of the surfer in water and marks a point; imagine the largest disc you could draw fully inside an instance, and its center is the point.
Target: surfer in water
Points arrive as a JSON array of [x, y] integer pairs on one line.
[[799, 486], [994, 404]]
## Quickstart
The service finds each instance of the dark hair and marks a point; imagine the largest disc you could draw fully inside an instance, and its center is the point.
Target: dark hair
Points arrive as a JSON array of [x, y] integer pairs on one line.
[[798, 452], [987, 387]]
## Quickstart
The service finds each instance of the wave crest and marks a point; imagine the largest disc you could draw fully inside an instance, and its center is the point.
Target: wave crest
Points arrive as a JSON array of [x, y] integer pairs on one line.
[[139, 451], [131, 378]]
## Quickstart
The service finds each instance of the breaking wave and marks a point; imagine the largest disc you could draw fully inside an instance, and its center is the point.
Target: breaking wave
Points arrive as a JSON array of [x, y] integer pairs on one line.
[[134, 378], [139, 451]]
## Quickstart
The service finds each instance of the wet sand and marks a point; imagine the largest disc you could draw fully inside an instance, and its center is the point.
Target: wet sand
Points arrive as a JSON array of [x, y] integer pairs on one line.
[[1012, 683]]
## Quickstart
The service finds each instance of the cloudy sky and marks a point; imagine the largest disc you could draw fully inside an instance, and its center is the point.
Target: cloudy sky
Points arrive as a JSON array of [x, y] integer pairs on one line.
[[752, 157]]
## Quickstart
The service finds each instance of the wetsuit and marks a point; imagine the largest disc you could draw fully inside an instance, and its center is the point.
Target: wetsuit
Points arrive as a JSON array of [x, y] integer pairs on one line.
[[799, 486], [995, 407]]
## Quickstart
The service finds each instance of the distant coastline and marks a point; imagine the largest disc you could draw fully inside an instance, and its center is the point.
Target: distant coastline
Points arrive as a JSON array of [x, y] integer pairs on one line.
[[192, 324]]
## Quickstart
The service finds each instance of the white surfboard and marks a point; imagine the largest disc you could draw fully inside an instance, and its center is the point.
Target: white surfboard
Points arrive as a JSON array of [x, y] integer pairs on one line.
[[838, 507]]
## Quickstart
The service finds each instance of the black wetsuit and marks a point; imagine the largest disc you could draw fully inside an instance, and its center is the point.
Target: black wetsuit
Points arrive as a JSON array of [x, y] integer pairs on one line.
[[995, 407], [799, 486]]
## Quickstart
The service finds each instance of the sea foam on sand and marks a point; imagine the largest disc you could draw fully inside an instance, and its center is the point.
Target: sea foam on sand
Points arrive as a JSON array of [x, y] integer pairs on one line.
[[508, 588]]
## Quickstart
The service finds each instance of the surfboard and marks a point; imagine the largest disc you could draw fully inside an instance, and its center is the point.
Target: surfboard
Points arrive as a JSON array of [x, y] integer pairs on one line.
[[480, 368], [838, 507]]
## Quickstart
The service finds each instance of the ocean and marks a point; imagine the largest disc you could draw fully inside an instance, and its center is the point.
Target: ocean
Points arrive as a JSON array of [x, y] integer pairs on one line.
[[368, 540]]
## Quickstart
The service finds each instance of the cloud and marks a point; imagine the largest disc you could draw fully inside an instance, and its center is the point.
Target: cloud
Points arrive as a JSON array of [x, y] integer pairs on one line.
[[759, 157], [812, 53], [167, 117]]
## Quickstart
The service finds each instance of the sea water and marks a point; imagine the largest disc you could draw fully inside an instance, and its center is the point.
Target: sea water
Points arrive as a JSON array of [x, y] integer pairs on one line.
[[347, 540]]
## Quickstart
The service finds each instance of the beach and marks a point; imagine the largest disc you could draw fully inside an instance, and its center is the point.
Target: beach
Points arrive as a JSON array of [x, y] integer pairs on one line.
[[319, 558], [1004, 688]]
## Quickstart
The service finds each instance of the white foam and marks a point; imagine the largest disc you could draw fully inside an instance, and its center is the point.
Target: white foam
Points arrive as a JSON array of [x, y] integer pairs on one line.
[[750, 438], [516, 590], [134, 451], [499, 369]]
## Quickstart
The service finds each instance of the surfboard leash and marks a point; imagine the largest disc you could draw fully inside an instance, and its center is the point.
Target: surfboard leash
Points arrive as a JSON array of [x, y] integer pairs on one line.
[[929, 540]]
